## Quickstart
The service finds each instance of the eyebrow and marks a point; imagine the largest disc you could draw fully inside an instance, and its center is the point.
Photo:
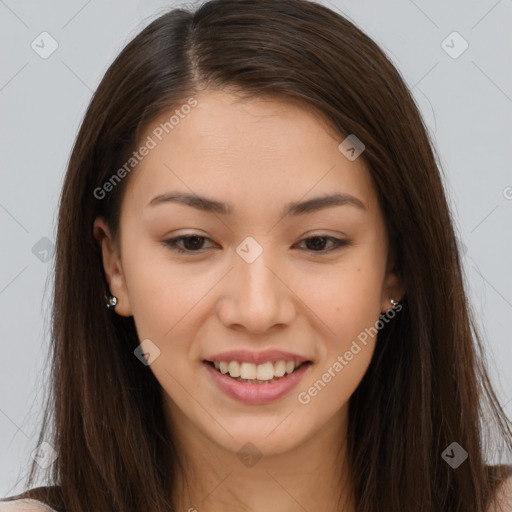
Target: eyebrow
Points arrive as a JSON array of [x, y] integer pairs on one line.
[[294, 208]]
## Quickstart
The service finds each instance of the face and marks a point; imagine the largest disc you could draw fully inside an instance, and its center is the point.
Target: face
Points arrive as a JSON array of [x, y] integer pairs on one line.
[[257, 277]]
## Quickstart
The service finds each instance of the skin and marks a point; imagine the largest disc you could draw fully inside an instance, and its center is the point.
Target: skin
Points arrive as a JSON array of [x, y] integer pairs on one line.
[[257, 155]]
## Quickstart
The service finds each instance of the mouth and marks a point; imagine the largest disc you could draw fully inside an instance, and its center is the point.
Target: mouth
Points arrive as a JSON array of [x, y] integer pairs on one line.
[[263, 387]]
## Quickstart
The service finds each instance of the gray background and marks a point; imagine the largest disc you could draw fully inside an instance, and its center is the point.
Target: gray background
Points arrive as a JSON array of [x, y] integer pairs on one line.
[[466, 102]]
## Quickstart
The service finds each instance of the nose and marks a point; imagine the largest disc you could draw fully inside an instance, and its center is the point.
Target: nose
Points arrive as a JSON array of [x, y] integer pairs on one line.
[[257, 297]]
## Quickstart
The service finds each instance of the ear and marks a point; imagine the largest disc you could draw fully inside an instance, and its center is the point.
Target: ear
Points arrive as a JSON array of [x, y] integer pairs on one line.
[[112, 266], [393, 287]]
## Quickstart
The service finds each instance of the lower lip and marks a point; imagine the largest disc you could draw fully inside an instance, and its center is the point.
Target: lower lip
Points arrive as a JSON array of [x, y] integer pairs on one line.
[[257, 393]]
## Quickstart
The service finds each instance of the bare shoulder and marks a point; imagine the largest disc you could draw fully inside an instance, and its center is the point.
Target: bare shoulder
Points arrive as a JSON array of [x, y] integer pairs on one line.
[[24, 505], [503, 501]]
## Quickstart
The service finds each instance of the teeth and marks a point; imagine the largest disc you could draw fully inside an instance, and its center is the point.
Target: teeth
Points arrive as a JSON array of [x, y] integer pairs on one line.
[[247, 371], [234, 369], [265, 371], [261, 372], [279, 368], [290, 366]]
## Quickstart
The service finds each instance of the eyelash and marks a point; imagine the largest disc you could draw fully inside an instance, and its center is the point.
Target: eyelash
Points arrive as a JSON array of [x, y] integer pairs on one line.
[[172, 243]]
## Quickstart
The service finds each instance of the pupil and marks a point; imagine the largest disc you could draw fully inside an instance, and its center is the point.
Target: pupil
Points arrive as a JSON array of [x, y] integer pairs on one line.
[[317, 245], [195, 238]]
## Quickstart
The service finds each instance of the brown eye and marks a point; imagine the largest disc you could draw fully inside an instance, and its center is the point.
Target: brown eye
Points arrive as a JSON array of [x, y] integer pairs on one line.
[[192, 243], [318, 243]]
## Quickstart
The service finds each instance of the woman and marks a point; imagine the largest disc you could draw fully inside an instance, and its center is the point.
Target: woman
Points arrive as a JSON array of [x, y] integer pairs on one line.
[[254, 195]]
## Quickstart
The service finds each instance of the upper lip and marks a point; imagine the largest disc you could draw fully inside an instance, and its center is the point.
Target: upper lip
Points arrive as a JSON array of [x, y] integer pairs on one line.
[[264, 356]]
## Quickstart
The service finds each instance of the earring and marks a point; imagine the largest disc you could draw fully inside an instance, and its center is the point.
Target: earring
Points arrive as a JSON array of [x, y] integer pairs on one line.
[[393, 303], [111, 301]]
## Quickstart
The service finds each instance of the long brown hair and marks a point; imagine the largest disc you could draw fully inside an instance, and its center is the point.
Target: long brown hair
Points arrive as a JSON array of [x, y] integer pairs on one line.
[[427, 385]]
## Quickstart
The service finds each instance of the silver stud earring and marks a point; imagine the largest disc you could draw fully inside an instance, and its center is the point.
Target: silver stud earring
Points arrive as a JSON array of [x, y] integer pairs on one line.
[[111, 301], [393, 303]]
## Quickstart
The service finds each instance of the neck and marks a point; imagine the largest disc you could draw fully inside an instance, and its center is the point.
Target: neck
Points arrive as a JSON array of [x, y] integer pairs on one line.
[[313, 476]]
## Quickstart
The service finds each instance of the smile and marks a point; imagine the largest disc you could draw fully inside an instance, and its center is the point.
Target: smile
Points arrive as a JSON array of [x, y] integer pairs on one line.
[[256, 384], [256, 373]]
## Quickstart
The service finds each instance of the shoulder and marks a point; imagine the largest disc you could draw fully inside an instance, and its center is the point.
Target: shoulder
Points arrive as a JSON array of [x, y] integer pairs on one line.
[[24, 505], [37, 499], [503, 498]]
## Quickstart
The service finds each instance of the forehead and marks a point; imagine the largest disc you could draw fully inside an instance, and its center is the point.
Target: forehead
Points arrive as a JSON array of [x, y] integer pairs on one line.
[[259, 151]]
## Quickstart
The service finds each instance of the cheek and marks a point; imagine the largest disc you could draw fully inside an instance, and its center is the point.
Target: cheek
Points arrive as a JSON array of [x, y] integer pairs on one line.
[[347, 301], [345, 298], [350, 308], [168, 317], [162, 292], [332, 385]]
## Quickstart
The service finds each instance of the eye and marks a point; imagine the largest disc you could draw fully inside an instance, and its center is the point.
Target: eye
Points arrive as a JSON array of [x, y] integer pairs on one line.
[[193, 243], [336, 243]]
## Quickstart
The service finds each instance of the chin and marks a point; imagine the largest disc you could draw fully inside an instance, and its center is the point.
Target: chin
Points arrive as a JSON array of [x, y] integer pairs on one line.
[[265, 435]]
